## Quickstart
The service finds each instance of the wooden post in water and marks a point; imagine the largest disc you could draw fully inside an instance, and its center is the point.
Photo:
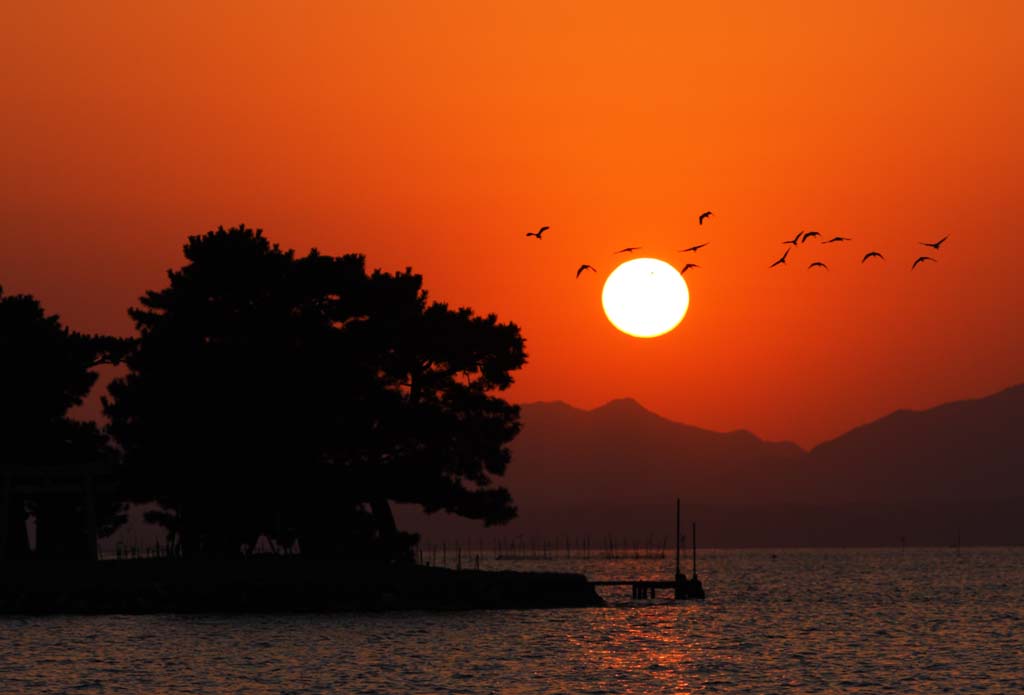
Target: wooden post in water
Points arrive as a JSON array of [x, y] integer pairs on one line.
[[693, 533], [677, 539], [680, 581]]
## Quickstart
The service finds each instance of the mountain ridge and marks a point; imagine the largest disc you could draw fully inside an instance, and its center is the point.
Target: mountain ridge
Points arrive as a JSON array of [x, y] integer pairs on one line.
[[618, 468], [624, 402]]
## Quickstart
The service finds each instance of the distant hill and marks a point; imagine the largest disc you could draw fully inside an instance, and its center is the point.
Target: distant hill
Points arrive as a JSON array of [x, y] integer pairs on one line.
[[618, 468], [966, 450], [624, 453]]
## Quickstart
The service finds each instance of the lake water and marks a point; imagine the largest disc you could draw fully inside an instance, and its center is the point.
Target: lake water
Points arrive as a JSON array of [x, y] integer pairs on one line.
[[805, 621]]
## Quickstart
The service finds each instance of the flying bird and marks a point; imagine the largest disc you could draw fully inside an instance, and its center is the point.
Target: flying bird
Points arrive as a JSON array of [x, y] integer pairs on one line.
[[687, 267], [837, 238], [700, 219], [936, 245], [871, 255], [921, 259], [538, 232], [817, 264], [628, 249], [696, 248], [808, 235], [781, 260], [584, 267], [796, 239]]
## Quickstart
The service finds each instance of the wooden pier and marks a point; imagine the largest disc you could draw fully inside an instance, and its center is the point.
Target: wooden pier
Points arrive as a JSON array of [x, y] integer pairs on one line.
[[682, 587]]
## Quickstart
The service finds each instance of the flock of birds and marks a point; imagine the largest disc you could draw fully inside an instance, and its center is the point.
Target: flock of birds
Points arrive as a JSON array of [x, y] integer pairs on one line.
[[802, 238], [799, 240]]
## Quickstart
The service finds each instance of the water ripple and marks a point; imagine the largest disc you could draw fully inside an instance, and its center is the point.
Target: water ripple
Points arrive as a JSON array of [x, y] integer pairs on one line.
[[871, 621]]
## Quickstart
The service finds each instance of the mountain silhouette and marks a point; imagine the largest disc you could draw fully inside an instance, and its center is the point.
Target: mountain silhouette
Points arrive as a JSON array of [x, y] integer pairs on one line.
[[965, 450], [616, 470], [626, 454]]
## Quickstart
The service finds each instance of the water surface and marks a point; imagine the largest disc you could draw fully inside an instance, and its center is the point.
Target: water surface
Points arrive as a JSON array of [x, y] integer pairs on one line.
[[803, 621]]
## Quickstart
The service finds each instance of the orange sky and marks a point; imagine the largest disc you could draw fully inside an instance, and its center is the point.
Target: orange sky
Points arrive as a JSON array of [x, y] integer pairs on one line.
[[436, 134]]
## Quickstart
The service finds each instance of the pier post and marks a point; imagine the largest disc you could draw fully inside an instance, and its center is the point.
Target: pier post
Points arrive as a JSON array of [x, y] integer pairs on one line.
[[677, 539], [680, 590], [693, 532]]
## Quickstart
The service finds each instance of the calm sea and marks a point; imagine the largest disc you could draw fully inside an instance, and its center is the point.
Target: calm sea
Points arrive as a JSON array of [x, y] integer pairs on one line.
[[794, 621]]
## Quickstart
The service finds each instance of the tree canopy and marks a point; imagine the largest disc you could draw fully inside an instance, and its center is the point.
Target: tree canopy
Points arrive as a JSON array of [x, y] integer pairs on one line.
[[297, 397], [46, 369]]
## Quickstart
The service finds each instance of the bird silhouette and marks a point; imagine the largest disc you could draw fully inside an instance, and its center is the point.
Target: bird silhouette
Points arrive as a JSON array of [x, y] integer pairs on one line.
[[687, 267], [922, 259], [808, 235], [700, 220], [781, 260], [584, 267], [936, 245], [796, 239], [538, 232], [837, 238], [696, 248], [872, 254], [628, 249], [817, 264]]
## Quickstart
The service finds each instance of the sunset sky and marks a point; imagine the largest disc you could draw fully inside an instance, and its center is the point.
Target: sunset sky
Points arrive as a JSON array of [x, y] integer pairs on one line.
[[435, 135]]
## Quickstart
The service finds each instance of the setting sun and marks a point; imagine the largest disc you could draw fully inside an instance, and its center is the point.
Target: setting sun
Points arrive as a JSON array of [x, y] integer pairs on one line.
[[645, 297]]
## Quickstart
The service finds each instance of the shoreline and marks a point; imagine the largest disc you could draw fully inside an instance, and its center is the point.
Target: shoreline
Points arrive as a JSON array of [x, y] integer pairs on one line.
[[275, 585]]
